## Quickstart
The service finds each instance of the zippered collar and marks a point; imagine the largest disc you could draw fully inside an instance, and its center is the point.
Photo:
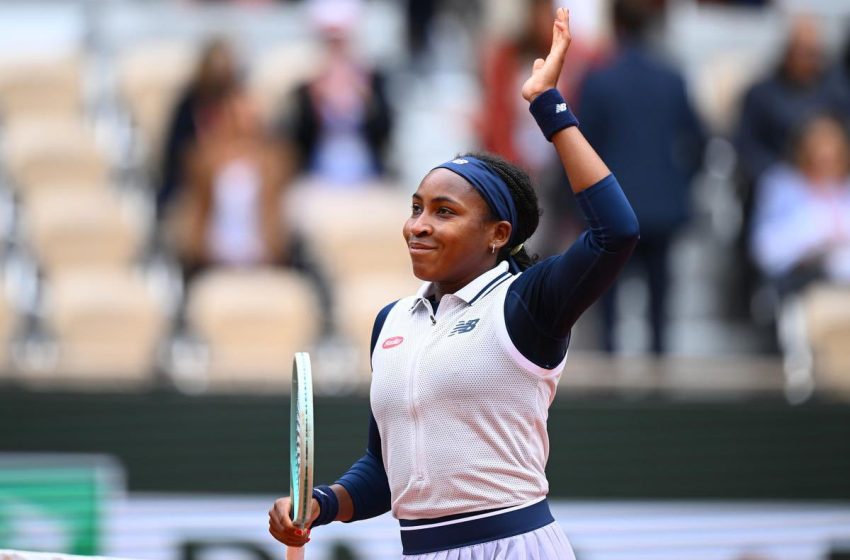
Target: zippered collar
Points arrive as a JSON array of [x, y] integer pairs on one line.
[[472, 291]]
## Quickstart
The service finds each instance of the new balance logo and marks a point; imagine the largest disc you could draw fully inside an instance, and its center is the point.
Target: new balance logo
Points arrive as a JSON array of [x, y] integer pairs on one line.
[[560, 108], [460, 161], [464, 327]]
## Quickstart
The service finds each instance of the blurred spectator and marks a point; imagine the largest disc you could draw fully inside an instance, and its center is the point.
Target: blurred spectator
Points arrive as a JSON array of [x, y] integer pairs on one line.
[[774, 106], [420, 17], [340, 121], [801, 226], [195, 113], [636, 113], [771, 109], [233, 204], [233, 211]]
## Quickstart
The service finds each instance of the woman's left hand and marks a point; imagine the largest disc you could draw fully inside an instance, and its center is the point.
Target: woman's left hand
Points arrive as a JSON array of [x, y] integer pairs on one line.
[[545, 73]]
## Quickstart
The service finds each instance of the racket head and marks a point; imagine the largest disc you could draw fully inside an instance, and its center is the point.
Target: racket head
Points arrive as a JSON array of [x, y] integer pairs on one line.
[[301, 439]]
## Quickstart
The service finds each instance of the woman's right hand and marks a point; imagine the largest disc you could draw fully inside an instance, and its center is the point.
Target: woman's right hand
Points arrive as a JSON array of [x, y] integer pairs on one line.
[[280, 523]]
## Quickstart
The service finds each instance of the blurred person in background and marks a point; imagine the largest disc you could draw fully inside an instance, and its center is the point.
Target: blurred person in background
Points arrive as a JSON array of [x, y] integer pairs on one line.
[[196, 112], [636, 113], [340, 121], [419, 19], [234, 194], [773, 107], [794, 90], [232, 213], [801, 225]]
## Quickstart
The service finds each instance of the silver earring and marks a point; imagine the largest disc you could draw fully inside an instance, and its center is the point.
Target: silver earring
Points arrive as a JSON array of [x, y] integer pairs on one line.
[[492, 248]]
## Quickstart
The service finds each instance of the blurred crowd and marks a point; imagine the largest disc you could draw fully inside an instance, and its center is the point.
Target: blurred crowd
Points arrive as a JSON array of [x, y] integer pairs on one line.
[[242, 222]]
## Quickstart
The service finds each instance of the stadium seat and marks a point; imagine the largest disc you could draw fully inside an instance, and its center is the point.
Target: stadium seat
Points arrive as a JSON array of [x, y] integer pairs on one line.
[[353, 231], [107, 324], [720, 83], [40, 86], [149, 88], [8, 324], [76, 228], [52, 152], [253, 322], [827, 317]]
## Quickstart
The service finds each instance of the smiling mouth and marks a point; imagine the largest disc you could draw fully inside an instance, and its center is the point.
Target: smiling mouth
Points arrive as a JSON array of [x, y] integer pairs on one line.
[[419, 247]]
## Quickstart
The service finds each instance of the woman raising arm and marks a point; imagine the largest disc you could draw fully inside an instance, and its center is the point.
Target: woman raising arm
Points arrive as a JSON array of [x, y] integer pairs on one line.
[[464, 370]]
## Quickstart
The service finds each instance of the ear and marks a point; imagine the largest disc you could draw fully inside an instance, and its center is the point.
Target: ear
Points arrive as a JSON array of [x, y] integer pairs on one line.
[[501, 234]]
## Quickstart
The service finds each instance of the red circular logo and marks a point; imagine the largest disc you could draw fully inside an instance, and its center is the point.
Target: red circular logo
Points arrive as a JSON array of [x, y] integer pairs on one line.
[[393, 342]]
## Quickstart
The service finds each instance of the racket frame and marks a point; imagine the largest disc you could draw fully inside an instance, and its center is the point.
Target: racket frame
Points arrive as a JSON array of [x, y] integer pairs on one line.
[[301, 439]]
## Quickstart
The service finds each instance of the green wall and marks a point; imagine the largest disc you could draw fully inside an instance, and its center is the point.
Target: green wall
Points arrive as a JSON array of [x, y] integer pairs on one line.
[[600, 448]]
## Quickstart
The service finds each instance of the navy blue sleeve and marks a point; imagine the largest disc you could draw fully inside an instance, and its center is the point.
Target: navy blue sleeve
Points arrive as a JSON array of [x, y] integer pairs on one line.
[[366, 480], [543, 304]]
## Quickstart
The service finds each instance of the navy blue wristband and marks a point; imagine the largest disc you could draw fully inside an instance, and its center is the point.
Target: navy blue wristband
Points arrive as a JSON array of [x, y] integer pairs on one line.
[[328, 504], [552, 113]]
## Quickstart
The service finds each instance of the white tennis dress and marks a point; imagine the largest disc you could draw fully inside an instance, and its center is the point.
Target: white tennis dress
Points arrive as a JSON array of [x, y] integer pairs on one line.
[[462, 417]]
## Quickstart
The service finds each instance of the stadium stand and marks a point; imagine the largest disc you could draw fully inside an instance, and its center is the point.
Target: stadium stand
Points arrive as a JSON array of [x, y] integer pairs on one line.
[[43, 152], [354, 230], [107, 324], [276, 72], [148, 89], [253, 321], [41, 85], [67, 189], [82, 228], [827, 320], [9, 320]]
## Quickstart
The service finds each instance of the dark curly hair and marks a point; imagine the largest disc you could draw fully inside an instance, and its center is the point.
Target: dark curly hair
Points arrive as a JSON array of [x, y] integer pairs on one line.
[[525, 199]]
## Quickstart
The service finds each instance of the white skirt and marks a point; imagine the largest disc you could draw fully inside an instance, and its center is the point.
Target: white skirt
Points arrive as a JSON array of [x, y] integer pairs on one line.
[[546, 543]]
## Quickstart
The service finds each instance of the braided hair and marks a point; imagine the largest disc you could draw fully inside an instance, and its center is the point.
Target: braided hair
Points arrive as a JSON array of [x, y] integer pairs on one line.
[[525, 198]]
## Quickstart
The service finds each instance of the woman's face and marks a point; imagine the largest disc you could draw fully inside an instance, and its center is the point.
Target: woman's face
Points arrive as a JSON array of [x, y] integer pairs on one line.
[[450, 231]]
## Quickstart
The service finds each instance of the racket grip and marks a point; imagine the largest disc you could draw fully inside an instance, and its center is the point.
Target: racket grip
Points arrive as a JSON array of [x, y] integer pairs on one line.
[[294, 553]]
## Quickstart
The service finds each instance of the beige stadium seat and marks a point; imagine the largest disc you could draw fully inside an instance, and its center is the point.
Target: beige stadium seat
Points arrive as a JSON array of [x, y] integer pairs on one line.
[[827, 317], [150, 79], [278, 71], [107, 324], [8, 324], [354, 232], [358, 302], [41, 153], [253, 321], [81, 228], [40, 86], [720, 85]]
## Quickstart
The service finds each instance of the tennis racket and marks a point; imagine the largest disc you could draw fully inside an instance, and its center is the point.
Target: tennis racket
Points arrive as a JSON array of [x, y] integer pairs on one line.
[[300, 446]]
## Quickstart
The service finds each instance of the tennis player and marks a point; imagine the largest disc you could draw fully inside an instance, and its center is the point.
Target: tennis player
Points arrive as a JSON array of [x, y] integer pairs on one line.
[[465, 370]]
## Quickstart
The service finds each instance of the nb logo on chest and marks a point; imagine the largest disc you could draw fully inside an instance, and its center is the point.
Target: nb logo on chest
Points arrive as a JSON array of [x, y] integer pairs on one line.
[[464, 327]]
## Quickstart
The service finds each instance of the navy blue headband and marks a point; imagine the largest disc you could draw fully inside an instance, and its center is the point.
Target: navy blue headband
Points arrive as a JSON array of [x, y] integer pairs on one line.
[[491, 187]]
